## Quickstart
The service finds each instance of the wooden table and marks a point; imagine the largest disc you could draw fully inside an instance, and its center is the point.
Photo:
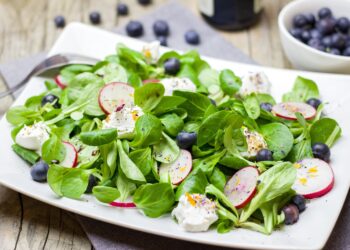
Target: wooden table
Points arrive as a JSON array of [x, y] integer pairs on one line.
[[27, 27]]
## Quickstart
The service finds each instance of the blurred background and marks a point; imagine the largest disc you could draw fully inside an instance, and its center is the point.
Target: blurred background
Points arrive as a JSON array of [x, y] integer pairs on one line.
[[27, 26]]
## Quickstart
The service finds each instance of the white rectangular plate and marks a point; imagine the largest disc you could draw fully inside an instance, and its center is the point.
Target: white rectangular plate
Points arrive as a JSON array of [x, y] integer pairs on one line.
[[315, 224]]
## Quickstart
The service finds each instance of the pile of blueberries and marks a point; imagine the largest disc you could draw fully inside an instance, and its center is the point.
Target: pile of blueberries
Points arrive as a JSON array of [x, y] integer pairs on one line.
[[325, 33], [135, 28]]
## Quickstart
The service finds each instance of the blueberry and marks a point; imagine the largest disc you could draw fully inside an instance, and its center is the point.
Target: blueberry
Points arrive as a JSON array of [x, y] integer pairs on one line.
[[161, 28], [172, 66], [264, 155], [321, 151], [327, 41], [134, 29], [343, 24], [338, 41], [346, 52], [314, 102], [122, 9], [144, 2], [300, 202], [39, 171], [60, 22], [310, 18], [326, 26], [192, 37], [315, 34], [186, 139], [266, 106], [296, 32], [324, 13], [334, 51], [50, 98], [95, 17], [320, 47], [291, 214], [305, 36], [92, 183], [300, 21], [314, 42], [347, 43], [163, 41]]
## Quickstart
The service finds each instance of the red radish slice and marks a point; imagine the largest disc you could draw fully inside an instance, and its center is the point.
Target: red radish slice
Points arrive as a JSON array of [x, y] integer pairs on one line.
[[60, 82], [122, 204], [150, 81], [315, 178], [71, 159], [179, 169], [287, 110], [241, 188], [115, 94]]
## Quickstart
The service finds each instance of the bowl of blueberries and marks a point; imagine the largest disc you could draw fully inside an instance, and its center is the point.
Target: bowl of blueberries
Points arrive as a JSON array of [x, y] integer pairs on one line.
[[315, 35]]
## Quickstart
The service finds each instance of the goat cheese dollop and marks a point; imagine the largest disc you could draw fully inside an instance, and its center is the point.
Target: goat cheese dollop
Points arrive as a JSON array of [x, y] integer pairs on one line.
[[151, 51], [123, 119], [177, 83], [255, 142], [33, 137], [195, 212], [255, 82]]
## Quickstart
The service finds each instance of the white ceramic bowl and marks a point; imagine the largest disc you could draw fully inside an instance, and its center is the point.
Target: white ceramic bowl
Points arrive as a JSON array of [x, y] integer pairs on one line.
[[301, 55]]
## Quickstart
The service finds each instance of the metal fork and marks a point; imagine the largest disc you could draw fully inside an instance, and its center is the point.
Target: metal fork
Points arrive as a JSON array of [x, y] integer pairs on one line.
[[51, 62]]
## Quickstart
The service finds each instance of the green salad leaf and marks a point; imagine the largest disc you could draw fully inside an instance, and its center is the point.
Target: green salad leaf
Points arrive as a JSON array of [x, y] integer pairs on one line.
[[99, 137], [154, 199]]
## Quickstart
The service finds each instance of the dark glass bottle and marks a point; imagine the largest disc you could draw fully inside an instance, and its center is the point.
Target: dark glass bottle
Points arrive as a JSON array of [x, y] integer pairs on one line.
[[230, 14]]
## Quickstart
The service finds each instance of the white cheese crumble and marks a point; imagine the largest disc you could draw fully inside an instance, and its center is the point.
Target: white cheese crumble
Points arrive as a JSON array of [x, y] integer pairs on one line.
[[177, 83], [195, 212], [33, 137], [255, 142], [151, 51], [255, 82], [123, 119]]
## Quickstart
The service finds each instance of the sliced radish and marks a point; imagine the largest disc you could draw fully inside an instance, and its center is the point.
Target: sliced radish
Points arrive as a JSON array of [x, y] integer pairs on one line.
[[122, 204], [60, 82], [179, 169], [287, 110], [241, 188], [71, 158], [315, 178], [114, 95], [150, 81]]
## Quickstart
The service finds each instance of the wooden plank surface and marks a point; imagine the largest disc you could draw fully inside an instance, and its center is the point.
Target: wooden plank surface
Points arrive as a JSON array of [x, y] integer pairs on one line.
[[26, 27]]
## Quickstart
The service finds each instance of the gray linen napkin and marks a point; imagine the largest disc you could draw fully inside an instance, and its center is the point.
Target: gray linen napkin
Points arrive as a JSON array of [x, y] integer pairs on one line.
[[104, 236]]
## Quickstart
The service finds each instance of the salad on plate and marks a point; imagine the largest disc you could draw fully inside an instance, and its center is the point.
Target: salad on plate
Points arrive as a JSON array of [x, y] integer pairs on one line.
[[168, 134]]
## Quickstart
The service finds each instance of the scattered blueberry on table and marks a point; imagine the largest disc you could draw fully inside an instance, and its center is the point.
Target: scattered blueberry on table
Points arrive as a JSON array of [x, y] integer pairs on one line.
[[122, 9], [134, 29], [323, 32], [161, 28], [60, 22], [163, 40], [192, 37], [144, 2], [95, 17]]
